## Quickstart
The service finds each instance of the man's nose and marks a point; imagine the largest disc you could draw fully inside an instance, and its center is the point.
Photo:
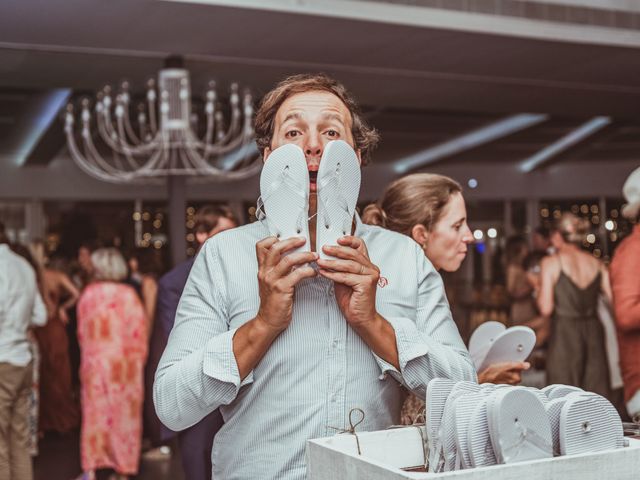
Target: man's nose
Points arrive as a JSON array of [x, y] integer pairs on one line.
[[313, 146]]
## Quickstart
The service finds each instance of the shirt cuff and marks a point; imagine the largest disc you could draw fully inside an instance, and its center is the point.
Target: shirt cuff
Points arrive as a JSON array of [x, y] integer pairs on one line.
[[409, 342], [220, 363]]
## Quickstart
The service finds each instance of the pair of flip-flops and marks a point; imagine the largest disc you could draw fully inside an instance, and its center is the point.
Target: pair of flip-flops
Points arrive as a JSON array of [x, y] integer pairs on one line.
[[471, 425], [492, 342], [582, 421], [284, 194]]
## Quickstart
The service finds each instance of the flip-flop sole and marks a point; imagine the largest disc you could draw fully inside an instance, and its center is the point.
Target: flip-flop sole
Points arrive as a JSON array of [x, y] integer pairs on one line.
[[482, 338], [338, 184], [284, 190], [513, 345]]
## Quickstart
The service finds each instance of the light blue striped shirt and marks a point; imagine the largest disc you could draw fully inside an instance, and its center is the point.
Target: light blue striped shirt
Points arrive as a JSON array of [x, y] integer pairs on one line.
[[316, 371]]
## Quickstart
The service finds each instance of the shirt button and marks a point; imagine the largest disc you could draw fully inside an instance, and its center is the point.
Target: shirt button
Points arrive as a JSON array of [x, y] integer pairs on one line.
[[382, 377]]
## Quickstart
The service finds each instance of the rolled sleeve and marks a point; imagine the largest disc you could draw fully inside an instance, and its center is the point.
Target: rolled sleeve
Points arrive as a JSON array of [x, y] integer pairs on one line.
[[429, 346], [198, 371], [220, 363]]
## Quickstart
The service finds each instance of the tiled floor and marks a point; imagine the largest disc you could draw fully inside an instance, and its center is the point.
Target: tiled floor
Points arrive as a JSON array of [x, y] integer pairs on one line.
[[59, 459]]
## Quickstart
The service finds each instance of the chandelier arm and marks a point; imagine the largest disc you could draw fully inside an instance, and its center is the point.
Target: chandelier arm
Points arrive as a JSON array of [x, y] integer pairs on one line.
[[208, 136], [82, 162], [95, 157], [151, 169], [222, 149], [135, 140], [233, 126], [159, 160], [125, 148], [151, 105], [253, 166], [107, 136], [106, 130]]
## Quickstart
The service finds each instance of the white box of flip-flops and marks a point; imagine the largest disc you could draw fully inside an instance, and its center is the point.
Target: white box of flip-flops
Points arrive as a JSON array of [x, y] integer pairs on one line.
[[479, 431], [385, 453]]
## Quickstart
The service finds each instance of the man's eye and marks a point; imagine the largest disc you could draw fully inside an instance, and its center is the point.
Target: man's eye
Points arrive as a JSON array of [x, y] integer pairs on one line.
[[292, 134], [333, 133]]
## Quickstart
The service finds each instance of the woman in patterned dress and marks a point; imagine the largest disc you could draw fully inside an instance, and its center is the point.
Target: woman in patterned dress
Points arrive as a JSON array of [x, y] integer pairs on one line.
[[113, 341]]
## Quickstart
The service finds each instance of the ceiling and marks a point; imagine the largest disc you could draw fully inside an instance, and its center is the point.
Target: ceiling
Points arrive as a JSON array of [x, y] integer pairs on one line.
[[420, 86]]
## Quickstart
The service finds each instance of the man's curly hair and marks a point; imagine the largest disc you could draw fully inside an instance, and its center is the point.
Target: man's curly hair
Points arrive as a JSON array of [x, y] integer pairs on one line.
[[364, 137]]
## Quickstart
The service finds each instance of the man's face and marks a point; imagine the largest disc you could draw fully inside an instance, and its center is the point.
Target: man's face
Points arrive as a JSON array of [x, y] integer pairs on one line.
[[311, 120]]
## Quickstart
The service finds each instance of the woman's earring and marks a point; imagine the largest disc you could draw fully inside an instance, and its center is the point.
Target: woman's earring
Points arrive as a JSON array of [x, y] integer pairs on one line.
[[424, 245]]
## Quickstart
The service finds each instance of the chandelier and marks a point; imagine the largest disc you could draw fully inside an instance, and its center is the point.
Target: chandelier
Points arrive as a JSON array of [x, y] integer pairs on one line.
[[165, 139]]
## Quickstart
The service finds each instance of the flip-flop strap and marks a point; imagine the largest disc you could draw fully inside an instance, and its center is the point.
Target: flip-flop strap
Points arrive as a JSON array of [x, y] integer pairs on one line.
[[324, 183], [286, 179]]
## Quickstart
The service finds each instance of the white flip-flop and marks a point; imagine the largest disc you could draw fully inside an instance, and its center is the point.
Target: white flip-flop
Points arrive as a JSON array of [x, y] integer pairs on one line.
[[553, 408], [447, 426], [438, 390], [482, 338], [284, 194], [513, 345], [464, 407], [518, 425], [338, 185], [586, 425], [481, 452], [559, 390]]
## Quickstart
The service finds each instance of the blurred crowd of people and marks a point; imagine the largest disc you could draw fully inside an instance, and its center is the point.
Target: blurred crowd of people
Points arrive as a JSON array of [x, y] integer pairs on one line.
[[79, 347], [80, 339]]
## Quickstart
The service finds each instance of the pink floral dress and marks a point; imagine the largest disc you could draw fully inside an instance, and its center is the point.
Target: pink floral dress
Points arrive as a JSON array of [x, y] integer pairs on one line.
[[113, 341]]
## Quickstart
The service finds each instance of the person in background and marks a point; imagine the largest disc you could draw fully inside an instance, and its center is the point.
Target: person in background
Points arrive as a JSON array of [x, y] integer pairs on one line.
[[625, 283], [58, 407], [523, 308], [195, 442], [541, 241], [430, 209], [144, 270], [113, 342], [21, 308], [540, 324], [571, 281]]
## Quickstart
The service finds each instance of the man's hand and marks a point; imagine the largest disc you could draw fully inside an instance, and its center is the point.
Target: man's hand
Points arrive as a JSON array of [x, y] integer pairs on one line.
[[355, 278], [278, 274], [504, 372]]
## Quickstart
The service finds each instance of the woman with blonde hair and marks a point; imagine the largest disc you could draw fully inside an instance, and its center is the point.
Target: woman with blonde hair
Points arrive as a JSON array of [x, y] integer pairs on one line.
[[113, 341], [430, 209], [571, 281]]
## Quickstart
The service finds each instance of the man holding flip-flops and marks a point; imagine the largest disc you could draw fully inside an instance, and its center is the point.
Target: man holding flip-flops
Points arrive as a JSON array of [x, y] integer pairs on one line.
[[290, 323]]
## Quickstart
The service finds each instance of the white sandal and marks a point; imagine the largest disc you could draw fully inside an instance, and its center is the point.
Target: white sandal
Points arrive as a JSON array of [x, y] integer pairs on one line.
[[518, 425], [284, 194], [338, 189]]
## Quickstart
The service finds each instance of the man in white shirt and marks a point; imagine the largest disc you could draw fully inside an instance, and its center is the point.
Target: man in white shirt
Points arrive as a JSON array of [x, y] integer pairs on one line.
[[21, 307], [286, 350]]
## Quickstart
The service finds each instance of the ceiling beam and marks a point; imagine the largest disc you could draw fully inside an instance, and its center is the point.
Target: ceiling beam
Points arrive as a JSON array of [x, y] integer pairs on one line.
[[468, 141], [570, 140]]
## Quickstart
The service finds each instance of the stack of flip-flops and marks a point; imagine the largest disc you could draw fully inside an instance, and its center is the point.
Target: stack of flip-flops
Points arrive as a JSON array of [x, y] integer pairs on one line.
[[473, 425], [492, 342], [284, 194]]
